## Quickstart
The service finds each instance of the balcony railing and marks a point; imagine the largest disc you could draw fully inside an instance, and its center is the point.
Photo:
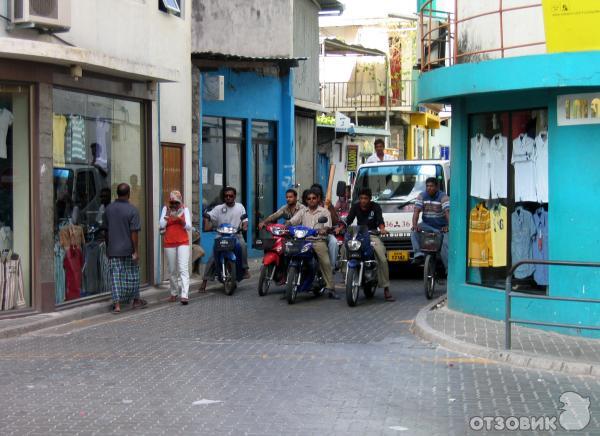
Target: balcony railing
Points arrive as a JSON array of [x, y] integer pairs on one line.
[[334, 96], [442, 44]]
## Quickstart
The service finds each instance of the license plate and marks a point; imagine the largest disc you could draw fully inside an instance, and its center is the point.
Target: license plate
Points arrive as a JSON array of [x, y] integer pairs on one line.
[[398, 255]]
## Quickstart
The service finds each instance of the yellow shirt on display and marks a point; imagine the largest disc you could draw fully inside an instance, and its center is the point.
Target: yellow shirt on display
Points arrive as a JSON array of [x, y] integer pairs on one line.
[[499, 216], [59, 125], [480, 237]]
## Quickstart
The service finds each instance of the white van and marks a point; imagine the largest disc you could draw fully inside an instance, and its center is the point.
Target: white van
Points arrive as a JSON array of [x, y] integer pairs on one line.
[[395, 186]]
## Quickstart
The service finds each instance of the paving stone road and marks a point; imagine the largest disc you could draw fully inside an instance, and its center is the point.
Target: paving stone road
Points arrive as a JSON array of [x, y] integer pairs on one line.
[[246, 365]]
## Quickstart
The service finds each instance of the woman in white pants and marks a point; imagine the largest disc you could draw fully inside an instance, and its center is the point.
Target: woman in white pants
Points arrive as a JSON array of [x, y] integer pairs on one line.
[[175, 223]]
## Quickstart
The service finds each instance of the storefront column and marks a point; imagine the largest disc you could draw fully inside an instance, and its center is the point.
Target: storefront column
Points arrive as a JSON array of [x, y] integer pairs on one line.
[[43, 232]]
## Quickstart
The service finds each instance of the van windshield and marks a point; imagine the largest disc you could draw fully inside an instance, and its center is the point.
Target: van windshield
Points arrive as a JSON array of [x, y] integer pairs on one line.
[[398, 183]]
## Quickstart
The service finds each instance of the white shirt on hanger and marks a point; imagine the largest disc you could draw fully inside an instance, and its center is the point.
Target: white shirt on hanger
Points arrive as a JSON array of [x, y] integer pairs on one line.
[[523, 160], [6, 238], [480, 166], [6, 120], [498, 169], [541, 167]]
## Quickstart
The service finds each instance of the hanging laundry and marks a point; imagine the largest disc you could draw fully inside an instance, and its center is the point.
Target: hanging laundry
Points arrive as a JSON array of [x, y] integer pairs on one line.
[[6, 120], [480, 237], [59, 273], [539, 245], [523, 160], [499, 222], [523, 233], [6, 238], [498, 157], [75, 151], [11, 281], [103, 140], [541, 167], [59, 127], [92, 279], [480, 166]]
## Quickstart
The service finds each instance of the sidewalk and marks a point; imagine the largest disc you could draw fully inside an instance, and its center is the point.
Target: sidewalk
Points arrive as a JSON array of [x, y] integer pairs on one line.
[[483, 337], [12, 327]]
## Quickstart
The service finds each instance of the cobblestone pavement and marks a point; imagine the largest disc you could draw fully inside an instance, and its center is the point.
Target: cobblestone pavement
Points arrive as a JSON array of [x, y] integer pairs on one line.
[[489, 333], [317, 367]]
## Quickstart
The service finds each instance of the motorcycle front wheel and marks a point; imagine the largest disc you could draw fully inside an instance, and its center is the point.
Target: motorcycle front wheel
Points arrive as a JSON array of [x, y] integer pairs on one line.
[[351, 287], [229, 280], [291, 288], [264, 280]]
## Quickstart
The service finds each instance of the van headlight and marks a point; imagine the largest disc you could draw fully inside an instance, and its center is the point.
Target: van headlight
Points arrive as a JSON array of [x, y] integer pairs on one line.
[[354, 245]]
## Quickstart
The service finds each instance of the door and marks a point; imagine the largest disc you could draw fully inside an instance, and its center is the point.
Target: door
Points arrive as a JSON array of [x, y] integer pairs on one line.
[[264, 146], [305, 151], [172, 170], [323, 170]]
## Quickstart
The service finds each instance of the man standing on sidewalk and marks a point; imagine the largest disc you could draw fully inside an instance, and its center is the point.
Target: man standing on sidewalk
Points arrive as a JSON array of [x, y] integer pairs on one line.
[[122, 224]]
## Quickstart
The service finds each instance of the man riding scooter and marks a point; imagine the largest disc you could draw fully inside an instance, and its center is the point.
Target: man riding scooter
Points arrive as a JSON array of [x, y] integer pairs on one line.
[[231, 213], [309, 217], [368, 213], [291, 208]]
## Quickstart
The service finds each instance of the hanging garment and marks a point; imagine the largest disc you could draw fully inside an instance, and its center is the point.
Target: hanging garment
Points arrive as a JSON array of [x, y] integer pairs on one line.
[[92, 279], [71, 235], [539, 245], [6, 120], [480, 237], [498, 166], [59, 127], [103, 140], [11, 281], [6, 238], [73, 265], [523, 232], [523, 160], [367, 78], [59, 273], [499, 222], [541, 167], [480, 166], [104, 269], [75, 151]]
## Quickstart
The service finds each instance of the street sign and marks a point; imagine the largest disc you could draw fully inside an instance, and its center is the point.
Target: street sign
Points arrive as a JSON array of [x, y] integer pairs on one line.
[[351, 157]]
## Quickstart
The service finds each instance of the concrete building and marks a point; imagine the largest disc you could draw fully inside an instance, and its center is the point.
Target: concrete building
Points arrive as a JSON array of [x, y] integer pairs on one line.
[[255, 91], [525, 96], [88, 96]]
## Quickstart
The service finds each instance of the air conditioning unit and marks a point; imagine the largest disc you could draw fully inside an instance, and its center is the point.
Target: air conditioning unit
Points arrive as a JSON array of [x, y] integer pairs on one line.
[[50, 15]]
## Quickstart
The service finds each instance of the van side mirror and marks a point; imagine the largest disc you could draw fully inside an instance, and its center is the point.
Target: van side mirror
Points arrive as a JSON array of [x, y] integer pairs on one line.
[[322, 220], [340, 189]]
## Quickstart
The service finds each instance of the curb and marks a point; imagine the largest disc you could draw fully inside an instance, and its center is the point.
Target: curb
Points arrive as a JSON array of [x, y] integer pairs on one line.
[[423, 330], [153, 295]]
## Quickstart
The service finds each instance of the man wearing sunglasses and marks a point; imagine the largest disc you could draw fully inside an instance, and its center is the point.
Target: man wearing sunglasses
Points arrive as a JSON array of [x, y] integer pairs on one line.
[[309, 217], [230, 212]]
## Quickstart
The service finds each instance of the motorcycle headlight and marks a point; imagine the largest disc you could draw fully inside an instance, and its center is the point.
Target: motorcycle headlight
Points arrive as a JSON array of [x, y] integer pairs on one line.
[[278, 232], [226, 230], [306, 248], [300, 234], [354, 245]]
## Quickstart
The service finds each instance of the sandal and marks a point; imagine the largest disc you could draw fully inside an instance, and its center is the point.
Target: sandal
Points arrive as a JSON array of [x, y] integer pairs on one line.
[[139, 304], [115, 310], [389, 298], [172, 299]]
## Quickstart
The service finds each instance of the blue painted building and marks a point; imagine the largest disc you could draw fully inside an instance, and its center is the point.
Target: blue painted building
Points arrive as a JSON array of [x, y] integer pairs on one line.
[[245, 136], [525, 177]]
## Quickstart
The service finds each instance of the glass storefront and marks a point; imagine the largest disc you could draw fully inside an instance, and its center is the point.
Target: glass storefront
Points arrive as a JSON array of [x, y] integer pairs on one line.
[[98, 142], [508, 198], [15, 243]]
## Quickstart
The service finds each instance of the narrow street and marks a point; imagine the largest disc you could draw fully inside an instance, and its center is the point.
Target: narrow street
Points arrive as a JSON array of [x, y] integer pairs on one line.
[[251, 365]]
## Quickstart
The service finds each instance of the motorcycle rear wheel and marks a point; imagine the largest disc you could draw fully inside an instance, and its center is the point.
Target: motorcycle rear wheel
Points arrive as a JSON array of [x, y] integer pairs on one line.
[[264, 280]]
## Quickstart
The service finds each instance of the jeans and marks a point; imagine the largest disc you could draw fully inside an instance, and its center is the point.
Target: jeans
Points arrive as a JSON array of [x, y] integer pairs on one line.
[[416, 243], [178, 259]]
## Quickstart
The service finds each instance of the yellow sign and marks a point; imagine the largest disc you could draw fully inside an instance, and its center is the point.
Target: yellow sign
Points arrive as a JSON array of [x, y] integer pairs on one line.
[[571, 25], [398, 256], [351, 157]]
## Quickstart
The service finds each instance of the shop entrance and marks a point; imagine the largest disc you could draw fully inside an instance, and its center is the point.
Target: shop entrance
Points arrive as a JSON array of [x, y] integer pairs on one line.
[[263, 149], [172, 173]]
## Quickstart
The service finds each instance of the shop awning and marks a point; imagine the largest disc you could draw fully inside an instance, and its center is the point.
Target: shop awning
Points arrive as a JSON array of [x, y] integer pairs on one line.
[[337, 47], [89, 60], [229, 59]]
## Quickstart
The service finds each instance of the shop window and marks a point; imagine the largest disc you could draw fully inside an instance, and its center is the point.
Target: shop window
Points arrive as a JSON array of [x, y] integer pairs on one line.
[[15, 264], [223, 159], [264, 146], [508, 198], [98, 143]]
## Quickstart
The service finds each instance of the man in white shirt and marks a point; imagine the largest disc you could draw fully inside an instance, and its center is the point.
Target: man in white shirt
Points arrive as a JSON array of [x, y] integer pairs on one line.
[[379, 155]]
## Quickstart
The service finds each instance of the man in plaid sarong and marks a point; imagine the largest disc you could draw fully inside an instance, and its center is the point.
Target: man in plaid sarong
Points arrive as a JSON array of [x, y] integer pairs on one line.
[[121, 223]]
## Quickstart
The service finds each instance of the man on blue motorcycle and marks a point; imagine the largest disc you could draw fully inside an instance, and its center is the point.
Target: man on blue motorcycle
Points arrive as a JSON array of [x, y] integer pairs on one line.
[[232, 213], [369, 214], [309, 217]]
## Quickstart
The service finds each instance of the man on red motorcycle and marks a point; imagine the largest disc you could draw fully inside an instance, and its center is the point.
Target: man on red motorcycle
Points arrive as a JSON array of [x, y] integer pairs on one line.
[[291, 208]]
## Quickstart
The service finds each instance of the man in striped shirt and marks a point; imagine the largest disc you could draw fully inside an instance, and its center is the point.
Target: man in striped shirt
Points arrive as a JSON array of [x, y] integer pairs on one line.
[[435, 206]]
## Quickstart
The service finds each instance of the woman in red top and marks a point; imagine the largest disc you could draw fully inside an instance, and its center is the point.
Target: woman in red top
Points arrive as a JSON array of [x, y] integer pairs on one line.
[[175, 223]]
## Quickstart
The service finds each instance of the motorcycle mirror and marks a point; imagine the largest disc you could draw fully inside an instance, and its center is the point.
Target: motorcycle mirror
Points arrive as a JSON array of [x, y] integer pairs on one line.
[[322, 220], [340, 189]]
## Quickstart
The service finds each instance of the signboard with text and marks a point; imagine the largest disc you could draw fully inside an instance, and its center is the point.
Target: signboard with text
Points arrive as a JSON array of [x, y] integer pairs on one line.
[[578, 109], [571, 25], [351, 157]]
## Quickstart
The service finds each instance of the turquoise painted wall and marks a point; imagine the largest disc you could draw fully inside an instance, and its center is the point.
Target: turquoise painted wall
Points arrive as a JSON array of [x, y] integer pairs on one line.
[[251, 96], [574, 227]]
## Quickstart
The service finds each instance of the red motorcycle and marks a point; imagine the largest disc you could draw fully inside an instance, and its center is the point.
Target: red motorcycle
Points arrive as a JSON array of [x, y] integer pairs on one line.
[[274, 267]]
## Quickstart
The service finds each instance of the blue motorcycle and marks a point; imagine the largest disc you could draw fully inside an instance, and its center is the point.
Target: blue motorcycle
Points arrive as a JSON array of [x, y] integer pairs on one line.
[[227, 255], [304, 274], [361, 265]]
